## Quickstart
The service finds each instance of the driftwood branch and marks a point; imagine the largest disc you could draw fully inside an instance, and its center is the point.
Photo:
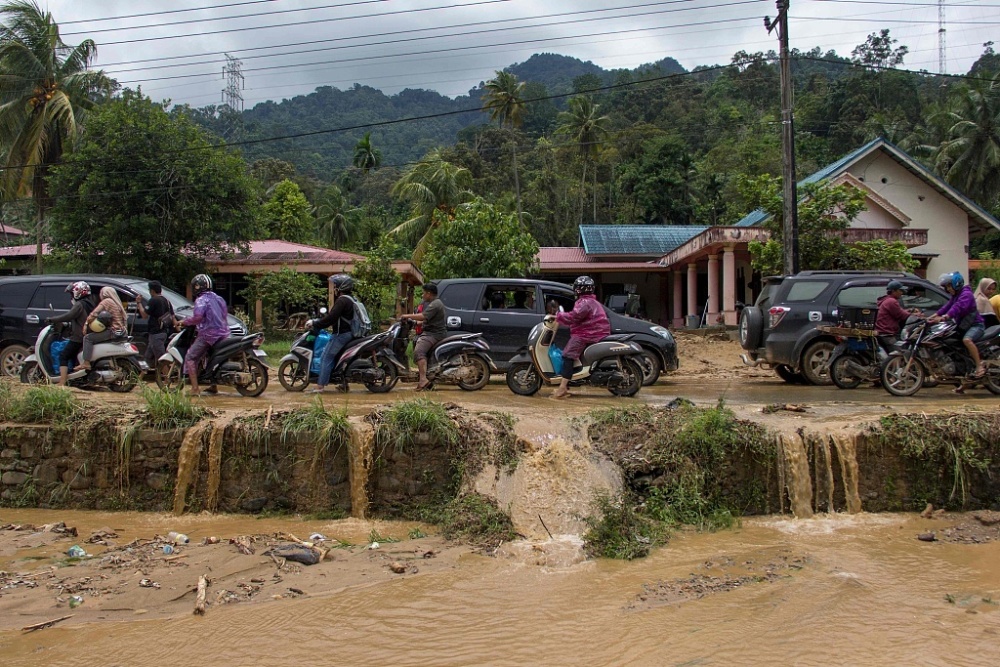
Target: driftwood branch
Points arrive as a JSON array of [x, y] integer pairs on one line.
[[199, 603], [46, 624]]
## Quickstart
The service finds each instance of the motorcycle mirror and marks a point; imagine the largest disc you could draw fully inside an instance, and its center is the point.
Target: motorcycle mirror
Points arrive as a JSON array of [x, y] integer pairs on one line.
[[322, 311]]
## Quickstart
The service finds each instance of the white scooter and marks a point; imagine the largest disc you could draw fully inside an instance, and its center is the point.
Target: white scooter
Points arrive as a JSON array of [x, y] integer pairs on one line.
[[116, 364], [614, 364]]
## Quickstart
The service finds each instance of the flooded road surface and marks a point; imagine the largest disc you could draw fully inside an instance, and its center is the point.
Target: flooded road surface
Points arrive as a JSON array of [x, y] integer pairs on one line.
[[858, 590]]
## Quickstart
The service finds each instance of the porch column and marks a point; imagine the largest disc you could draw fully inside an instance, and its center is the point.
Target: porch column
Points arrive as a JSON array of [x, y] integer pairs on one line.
[[329, 294], [692, 285], [678, 300], [713, 290], [729, 285], [258, 314]]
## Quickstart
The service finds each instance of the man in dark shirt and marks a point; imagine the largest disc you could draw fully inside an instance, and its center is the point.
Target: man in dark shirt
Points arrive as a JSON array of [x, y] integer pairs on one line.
[[435, 329], [891, 315], [161, 322]]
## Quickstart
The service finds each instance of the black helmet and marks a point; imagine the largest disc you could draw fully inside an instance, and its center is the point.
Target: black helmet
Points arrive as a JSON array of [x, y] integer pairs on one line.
[[343, 282], [584, 285], [201, 283]]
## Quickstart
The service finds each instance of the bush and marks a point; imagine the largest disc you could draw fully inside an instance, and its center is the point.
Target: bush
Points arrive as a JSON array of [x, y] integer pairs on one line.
[[39, 405], [617, 530], [170, 409]]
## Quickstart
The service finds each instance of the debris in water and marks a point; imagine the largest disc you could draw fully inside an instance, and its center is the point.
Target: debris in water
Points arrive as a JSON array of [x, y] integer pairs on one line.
[[318, 537], [927, 537], [76, 551], [928, 512], [987, 518], [397, 567], [295, 553], [148, 583], [787, 407]]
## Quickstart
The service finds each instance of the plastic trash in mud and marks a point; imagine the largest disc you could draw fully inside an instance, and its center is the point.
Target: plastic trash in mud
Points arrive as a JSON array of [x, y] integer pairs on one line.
[[76, 551], [373, 545], [318, 537], [296, 554], [177, 538], [168, 549], [75, 601]]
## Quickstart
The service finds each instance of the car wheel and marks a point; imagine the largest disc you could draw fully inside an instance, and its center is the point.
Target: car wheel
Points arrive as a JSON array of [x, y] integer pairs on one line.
[[750, 328], [11, 359], [651, 367], [816, 363], [788, 375]]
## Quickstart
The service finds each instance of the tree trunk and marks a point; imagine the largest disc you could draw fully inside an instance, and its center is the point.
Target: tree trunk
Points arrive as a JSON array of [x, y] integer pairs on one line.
[[594, 177], [39, 225], [517, 185], [583, 189]]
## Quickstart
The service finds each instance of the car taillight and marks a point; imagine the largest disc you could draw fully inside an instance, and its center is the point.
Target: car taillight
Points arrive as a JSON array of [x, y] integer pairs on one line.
[[777, 314], [258, 341]]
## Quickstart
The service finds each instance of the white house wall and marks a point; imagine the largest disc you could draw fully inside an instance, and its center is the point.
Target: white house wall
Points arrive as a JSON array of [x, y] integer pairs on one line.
[[947, 225]]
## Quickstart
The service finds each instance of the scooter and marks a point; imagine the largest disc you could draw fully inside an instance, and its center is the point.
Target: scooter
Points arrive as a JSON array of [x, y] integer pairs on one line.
[[116, 363], [366, 360], [236, 362], [462, 359], [614, 364]]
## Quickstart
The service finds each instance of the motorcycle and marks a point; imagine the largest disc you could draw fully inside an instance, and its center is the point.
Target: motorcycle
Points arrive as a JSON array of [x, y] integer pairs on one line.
[[366, 360], [935, 351], [116, 363], [461, 359], [615, 364], [235, 361], [857, 359]]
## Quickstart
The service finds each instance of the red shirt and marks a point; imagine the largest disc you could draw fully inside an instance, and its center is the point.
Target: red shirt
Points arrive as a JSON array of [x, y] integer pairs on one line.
[[891, 316]]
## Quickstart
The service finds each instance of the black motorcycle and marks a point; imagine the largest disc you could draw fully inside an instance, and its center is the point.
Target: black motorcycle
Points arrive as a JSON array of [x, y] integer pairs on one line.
[[462, 359], [365, 360], [934, 351], [238, 362], [857, 359]]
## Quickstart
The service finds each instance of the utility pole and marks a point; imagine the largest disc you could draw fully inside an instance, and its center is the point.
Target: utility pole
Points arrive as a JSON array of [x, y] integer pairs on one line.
[[790, 228], [232, 99]]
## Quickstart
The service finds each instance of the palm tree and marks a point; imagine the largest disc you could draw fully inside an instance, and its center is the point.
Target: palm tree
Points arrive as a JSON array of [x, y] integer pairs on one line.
[[333, 218], [970, 157], [366, 156], [582, 124], [45, 87], [505, 104], [435, 188]]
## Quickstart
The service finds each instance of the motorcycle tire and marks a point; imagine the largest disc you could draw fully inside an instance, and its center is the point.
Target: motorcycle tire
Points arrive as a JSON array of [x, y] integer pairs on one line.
[[130, 375], [291, 375], [840, 374], [523, 379], [899, 380], [389, 377], [992, 378], [482, 374], [169, 376], [632, 382], [31, 373], [258, 382]]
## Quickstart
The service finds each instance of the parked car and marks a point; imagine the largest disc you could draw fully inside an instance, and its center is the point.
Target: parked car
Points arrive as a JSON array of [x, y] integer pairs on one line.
[[25, 302], [780, 330], [505, 310]]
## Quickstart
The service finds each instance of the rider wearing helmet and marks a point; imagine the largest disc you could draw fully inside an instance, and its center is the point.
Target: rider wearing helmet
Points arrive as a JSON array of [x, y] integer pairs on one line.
[[339, 320], [83, 304], [961, 308], [588, 324], [210, 317]]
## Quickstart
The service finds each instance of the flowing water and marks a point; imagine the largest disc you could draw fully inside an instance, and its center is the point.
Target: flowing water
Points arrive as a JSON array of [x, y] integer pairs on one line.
[[796, 474], [863, 592], [187, 461], [215, 440]]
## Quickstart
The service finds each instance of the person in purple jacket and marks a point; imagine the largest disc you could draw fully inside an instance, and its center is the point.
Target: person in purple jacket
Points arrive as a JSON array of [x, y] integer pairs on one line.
[[210, 314], [588, 324], [961, 308]]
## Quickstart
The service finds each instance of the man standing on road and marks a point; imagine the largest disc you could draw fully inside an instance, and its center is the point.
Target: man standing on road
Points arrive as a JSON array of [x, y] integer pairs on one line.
[[434, 330], [160, 314]]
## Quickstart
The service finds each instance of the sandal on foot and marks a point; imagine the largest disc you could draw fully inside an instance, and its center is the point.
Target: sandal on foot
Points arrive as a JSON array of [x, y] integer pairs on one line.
[[958, 390]]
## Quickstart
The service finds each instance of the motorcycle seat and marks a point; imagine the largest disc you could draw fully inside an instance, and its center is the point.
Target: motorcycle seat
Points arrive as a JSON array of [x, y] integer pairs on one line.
[[991, 333], [598, 350], [451, 338], [232, 341]]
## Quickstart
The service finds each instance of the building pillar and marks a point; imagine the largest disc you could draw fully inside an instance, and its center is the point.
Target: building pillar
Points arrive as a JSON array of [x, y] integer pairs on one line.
[[729, 285], [713, 290], [330, 297], [258, 314], [678, 300], [692, 295]]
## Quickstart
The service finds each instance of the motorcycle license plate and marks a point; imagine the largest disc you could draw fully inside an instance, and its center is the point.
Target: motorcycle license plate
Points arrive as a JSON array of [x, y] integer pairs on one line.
[[143, 366], [260, 354]]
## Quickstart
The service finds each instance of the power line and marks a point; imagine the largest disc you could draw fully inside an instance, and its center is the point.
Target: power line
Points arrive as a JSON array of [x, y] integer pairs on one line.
[[161, 13]]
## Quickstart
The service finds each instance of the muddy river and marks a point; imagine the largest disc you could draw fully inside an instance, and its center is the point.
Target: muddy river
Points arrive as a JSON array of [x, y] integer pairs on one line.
[[857, 590]]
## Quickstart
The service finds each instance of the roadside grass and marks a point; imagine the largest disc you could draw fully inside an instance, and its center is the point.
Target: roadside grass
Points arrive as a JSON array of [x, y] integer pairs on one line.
[[276, 346], [405, 425], [476, 519], [39, 405], [328, 428], [170, 409]]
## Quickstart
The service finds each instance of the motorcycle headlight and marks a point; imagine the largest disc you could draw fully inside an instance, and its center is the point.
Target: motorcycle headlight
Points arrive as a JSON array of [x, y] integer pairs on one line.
[[662, 332]]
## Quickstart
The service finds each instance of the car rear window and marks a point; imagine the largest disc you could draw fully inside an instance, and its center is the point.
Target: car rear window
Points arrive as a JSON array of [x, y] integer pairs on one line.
[[860, 296], [805, 290], [16, 295], [53, 297]]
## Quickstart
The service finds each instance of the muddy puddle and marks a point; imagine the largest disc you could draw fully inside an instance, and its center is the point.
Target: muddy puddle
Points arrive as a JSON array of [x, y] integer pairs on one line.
[[844, 589]]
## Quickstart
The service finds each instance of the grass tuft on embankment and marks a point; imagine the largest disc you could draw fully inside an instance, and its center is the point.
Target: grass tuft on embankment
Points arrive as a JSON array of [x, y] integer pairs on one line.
[[170, 409], [475, 519], [407, 424], [39, 405], [617, 529]]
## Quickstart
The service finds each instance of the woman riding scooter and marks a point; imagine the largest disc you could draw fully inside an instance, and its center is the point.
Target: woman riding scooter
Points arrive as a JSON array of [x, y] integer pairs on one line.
[[587, 323], [83, 304], [110, 303], [339, 319]]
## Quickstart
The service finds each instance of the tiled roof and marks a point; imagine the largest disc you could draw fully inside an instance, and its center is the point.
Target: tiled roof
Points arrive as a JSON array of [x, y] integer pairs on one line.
[[573, 259], [641, 240], [276, 250], [22, 250]]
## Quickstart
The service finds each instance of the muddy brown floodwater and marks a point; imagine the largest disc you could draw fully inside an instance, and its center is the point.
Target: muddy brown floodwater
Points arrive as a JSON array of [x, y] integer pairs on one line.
[[852, 589]]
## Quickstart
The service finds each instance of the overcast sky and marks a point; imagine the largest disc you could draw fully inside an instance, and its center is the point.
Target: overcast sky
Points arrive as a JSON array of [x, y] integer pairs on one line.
[[289, 47]]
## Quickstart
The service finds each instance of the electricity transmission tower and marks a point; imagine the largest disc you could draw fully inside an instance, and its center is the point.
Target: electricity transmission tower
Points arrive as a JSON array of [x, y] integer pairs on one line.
[[942, 32], [231, 112]]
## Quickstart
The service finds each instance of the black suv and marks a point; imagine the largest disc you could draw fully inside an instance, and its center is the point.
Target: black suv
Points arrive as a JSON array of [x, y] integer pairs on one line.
[[25, 302], [780, 329], [505, 309]]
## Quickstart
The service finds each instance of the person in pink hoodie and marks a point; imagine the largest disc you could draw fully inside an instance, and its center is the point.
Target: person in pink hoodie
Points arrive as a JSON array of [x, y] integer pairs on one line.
[[588, 324]]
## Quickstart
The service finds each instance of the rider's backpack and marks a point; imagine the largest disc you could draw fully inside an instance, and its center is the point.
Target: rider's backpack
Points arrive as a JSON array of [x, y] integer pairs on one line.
[[361, 324]]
